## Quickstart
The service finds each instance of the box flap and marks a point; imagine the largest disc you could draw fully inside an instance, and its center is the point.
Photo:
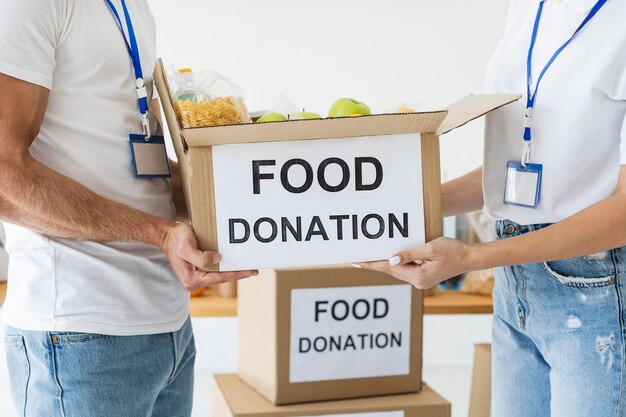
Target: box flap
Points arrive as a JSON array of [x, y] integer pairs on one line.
[[160, 80], [342, 127], [473, 107]]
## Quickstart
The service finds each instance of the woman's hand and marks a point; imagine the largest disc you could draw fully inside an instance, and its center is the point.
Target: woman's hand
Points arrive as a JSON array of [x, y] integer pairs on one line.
[[427, 265]]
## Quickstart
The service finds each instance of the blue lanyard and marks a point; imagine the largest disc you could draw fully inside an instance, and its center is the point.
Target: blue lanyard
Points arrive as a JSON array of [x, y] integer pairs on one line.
[[531, 97], [133, 50]]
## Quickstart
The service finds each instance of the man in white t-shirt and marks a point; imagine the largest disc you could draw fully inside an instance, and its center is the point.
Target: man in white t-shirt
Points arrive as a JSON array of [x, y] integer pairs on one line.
[[97, 313]]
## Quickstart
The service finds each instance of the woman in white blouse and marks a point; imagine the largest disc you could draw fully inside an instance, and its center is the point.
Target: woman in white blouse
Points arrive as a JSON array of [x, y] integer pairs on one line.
[[560, 200]]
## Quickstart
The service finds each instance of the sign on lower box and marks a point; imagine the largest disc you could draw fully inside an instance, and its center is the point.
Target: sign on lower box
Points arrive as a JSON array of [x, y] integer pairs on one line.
[[350, 332]]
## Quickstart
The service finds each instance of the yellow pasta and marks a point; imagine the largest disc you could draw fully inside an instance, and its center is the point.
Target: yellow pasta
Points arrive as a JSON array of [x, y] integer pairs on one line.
[[218, 111]]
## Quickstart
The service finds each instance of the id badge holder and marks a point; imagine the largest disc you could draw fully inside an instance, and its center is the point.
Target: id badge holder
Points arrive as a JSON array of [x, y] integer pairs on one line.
[[149, 157], [523, 184]]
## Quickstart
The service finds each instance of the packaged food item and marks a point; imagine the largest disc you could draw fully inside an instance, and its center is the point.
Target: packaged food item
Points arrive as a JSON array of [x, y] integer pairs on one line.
[[206, 98], [405, 108], [281, 109], [188, 90], [218, 111]]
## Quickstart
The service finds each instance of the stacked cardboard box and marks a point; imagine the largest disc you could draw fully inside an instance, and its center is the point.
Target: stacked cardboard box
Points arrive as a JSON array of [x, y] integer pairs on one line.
[[233, 398], [332, 335], [480, 399]]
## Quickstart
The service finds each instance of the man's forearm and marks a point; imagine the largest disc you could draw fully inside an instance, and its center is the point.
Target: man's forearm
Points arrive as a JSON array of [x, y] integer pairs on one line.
[[463, 195], [37, 197]]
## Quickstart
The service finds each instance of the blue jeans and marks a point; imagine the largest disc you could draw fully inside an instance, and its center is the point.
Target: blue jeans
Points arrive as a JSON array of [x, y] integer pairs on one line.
[[62, 374], [558, 335]]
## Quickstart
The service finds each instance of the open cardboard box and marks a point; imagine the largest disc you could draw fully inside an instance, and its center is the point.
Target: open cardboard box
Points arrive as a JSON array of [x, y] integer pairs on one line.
[[195, 150]]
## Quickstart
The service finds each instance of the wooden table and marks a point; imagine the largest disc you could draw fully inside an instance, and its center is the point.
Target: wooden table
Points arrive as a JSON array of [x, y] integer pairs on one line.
[[454, 302], [443, 302]]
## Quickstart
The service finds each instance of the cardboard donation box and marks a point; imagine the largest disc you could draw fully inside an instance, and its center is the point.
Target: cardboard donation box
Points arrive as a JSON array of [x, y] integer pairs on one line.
[[324, 334], [233, 398], [480, 399], [315, 192]]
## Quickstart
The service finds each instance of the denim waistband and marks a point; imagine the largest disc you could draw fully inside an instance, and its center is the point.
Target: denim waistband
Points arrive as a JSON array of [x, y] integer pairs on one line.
[[507, 228]]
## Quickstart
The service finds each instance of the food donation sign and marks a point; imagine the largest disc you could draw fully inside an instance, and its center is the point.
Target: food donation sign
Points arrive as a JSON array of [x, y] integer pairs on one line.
[[317, 202], [350, 332]]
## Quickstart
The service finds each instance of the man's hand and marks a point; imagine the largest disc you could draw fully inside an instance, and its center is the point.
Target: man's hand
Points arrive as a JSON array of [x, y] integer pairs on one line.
[[188, 261], [427, 265]]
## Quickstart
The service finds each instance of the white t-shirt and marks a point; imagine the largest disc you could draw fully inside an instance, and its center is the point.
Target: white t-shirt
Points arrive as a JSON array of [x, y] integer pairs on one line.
[[75, 49], [579, 130]]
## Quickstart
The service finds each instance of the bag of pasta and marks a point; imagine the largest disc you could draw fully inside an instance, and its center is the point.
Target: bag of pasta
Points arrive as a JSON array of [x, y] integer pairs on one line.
[[206, 98]]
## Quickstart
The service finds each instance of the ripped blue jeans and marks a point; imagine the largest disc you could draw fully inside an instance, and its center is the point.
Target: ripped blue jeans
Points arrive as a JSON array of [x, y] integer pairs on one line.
[[558, 335]]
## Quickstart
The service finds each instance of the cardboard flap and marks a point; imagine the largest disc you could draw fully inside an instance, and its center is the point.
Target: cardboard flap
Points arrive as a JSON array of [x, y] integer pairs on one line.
[[160, 80], [472, 107], [342, 127]]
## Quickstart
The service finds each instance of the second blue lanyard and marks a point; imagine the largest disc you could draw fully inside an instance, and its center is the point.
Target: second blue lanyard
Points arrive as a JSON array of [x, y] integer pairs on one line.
[[532, 95]]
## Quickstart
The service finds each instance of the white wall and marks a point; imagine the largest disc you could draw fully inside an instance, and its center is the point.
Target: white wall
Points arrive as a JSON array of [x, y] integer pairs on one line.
[[381, 52]]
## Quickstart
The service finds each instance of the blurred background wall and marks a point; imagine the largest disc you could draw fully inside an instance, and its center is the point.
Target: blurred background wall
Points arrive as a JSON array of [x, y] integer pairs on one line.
[[381, 52]]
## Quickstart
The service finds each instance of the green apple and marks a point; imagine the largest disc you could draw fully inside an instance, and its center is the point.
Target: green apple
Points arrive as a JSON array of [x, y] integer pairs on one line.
[[348, 107], [272, 117], [310, 115]]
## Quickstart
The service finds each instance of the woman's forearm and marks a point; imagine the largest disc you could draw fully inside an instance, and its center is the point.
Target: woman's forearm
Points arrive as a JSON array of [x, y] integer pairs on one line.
[[598, 228], [463, 194]]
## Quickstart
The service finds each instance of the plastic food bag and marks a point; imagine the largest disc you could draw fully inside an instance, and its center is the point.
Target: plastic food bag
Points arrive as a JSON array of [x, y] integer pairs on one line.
[[405, 108], [281, 104], [206, 98], [281, 109]]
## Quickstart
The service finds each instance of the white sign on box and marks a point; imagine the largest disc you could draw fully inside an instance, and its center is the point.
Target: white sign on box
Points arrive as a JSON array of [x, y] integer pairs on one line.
[[350, 332], [380, 414], [317, 202]]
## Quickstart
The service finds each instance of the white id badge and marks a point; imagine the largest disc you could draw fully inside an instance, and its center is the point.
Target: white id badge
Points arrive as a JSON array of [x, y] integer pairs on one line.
[[523, 184], [149, 157]]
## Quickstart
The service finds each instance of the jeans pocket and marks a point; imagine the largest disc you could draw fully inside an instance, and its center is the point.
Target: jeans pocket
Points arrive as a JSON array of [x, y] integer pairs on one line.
[[584, 272], [72, 337], [19, 371]]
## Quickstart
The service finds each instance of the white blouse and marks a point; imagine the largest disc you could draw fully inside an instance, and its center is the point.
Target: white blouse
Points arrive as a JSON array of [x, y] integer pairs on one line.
[[579, 128]]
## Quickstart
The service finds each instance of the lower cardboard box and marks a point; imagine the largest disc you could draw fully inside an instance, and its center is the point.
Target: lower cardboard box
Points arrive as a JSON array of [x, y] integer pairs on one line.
[[480, 400], [322, 334], [234, 398]]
